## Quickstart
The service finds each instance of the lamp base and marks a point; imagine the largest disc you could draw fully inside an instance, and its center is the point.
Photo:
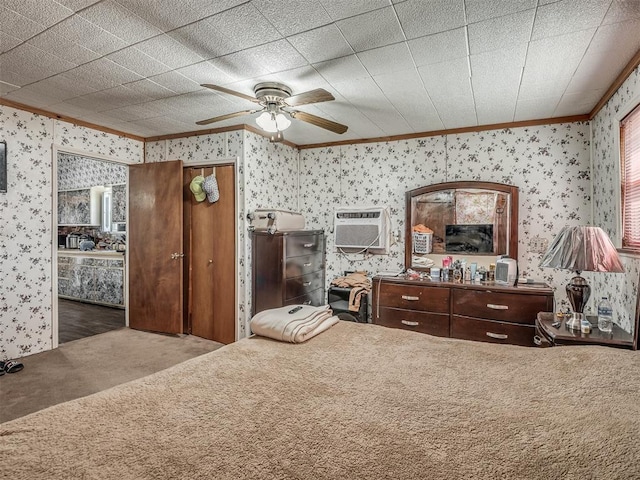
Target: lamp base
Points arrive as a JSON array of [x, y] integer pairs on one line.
[[575, 322]]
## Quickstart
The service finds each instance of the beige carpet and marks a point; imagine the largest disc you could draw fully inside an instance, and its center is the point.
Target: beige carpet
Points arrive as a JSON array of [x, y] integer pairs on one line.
[[92, 364], [358, 401]]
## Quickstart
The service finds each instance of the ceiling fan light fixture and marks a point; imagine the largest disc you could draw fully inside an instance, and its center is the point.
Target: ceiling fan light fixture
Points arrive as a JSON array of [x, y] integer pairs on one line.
[[272, 122]]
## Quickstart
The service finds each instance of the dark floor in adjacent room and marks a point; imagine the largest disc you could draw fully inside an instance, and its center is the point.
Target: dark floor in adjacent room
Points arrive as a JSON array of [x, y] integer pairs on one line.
[[78, 320]]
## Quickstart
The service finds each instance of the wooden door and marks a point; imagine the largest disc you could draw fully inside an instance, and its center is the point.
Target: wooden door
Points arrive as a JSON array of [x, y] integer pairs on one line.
[[154, 238], [212, 257]]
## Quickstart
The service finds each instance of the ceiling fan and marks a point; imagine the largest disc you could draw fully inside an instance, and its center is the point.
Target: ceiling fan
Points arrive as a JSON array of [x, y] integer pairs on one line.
[[275, 101]]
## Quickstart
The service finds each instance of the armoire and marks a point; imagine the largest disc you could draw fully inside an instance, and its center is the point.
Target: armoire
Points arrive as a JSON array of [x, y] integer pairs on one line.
[[182, 252]]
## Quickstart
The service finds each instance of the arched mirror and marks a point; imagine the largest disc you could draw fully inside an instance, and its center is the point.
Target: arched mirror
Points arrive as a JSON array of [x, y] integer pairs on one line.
[[461, 218]]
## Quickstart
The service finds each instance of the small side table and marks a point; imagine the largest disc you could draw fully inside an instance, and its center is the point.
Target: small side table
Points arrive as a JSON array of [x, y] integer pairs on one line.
[[548, 336]]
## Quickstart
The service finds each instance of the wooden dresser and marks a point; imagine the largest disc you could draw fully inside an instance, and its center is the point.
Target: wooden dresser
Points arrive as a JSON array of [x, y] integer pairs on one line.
[[483, 312], [287, 269]]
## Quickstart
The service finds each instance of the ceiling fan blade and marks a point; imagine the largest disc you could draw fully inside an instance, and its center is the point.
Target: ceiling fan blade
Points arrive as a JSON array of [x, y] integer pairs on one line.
[[225, 117], [230, 92], [312, 96], [319, 121]]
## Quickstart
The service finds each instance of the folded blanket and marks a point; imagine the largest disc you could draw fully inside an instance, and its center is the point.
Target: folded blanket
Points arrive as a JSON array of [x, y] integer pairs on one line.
[[293, 323]]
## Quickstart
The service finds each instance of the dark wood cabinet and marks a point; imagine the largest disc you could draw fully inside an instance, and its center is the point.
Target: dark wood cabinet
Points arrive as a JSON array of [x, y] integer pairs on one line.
[[287, 269], [482, 312]]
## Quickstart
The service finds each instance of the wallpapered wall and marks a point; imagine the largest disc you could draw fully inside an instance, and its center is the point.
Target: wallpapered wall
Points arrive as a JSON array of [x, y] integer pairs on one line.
[[26, 217], [622, 289], [550, 164], [76, 171], [267, 177]]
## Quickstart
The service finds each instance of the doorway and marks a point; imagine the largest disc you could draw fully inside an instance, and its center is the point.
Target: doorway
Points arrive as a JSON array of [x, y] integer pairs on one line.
[[89, 262]]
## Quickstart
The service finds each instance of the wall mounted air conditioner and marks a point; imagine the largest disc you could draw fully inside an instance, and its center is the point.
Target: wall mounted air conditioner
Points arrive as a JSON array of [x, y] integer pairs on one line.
[[366, 228]]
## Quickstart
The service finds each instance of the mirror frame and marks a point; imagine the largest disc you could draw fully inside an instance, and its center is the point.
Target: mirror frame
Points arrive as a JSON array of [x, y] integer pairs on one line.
[[499, 187]]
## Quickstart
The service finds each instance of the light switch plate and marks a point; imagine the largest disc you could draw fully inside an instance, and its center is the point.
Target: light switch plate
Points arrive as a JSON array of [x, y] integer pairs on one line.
[[538, 244]]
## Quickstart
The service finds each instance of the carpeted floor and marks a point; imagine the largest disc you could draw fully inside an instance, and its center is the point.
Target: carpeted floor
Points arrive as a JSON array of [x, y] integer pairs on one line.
[[90, 365]]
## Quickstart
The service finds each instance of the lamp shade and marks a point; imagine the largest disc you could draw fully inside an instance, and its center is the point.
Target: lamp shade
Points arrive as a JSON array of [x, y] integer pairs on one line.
[[582, 249], [272, 122]]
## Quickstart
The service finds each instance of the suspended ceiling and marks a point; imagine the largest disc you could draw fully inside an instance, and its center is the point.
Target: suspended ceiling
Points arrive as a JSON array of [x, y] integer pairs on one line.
[[394, 68]]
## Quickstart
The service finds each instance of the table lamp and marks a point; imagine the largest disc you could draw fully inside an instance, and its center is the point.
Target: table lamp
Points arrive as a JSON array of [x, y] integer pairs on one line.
[[581, 249]]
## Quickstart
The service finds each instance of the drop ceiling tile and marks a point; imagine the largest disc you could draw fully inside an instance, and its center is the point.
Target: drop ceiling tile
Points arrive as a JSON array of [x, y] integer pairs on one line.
[[32, 64], [447, 79], [578, 103], [341, 69], [119, 21], [76, 5], [164, 15], [205, 72], [536, 108], [405, 91], [17, 25], [169, 51], [357, 30], [360, 126], [596, 71], [61, 87], [82, 32], [201, 39], [621, 38], [293, 16], [419, 18], [60, 46], [549, 54], [321, 44], [103, 100], [456, 111], [622, 10], [27, 96], [44, 13], [69, 110], [501, 32], [242, 27], [102, 73], [264, 59], [568, 16], [503, 61], [387, 59], [135, 112], [495, 87], [490, 114], [478, 10], [207, 8], [175, 82], [338, 10], [7, 42], [150, 89], [439, 47], [7, 87], [302, 79], [138, 62]]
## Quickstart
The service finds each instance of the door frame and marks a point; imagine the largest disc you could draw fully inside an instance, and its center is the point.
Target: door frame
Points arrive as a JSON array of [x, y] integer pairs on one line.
[[55, 149], [235, 161]]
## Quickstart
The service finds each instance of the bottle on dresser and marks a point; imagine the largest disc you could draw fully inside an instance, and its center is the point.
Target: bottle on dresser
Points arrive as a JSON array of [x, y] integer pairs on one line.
[[605, 315]]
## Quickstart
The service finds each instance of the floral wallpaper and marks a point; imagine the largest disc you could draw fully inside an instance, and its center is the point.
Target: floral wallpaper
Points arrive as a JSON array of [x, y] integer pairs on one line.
[[26, 217], [550, 164], [622, 289], [77, 171]]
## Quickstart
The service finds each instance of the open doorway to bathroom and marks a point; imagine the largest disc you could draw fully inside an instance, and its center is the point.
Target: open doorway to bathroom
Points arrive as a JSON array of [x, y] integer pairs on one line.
[[90, 245]]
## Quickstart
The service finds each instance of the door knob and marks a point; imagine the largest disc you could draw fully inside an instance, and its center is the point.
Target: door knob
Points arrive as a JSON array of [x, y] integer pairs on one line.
[[210, 261], [176, 255]]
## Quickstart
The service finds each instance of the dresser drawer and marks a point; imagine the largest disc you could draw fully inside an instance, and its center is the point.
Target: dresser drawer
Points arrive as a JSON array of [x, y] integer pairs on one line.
[[298, 245], [496, 305], [296, 266], [432, 323], [427, 299], [301, 285], [492, 331], [315, 298]]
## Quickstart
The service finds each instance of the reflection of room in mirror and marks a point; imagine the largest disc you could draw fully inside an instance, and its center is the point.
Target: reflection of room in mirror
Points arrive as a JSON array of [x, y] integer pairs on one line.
[[471, 218]]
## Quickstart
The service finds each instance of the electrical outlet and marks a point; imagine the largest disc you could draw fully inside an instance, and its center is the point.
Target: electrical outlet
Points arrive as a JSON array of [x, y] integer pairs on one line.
[[537, 244]]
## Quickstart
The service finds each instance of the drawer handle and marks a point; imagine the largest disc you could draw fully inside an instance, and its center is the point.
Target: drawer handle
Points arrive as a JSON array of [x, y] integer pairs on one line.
[[308, 245], [409, 297], [308, 302], [306, 284], [410, 323], [493, 306], [499, 336], [307, 264], [537, 340]]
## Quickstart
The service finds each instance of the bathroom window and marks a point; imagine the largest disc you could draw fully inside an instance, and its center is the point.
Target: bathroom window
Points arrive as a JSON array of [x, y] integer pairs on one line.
[[630, 156]]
